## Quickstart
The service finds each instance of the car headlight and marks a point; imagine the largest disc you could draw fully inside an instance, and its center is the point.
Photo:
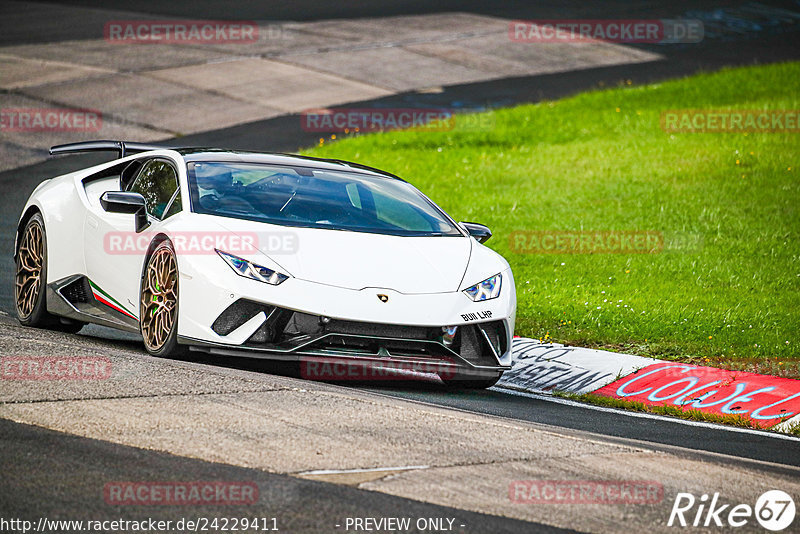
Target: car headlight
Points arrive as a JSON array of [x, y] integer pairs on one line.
[[251, 270], [486, 290]]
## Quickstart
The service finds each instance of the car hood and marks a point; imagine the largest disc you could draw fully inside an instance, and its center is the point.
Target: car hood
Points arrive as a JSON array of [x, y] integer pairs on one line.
[[358, 260]]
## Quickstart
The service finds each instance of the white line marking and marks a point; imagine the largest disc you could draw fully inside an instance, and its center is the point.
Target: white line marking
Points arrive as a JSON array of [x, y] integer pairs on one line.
[[369, 470], [643, 415]]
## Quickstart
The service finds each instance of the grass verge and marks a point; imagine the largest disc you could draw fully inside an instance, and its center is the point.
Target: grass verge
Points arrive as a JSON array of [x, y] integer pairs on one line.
[[725, 285]]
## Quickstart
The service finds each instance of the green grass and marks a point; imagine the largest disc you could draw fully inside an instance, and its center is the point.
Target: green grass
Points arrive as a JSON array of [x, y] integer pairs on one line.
[[726, 286]]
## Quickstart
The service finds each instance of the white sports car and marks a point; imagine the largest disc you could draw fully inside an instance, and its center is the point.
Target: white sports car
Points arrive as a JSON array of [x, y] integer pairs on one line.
[[265, 255]]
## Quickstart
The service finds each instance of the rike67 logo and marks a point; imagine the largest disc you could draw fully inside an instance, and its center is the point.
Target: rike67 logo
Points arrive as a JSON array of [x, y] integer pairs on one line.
[[774, 510]]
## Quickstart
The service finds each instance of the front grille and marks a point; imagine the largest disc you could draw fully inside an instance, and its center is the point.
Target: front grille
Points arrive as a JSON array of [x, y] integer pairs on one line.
[[289, 331], [383, 330]]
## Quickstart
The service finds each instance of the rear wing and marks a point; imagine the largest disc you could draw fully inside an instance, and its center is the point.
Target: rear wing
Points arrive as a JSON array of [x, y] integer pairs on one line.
[[123, 148]]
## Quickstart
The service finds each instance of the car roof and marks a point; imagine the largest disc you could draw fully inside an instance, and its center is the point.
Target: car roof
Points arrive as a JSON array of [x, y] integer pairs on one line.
[[196, 154], [189, 154]]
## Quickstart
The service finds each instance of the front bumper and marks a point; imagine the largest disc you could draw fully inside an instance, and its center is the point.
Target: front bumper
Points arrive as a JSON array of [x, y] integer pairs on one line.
[[475, 350], [299, 320]]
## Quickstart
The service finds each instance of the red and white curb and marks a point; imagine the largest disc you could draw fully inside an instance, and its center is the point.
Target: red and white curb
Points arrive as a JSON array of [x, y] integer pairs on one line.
[[770, 401]]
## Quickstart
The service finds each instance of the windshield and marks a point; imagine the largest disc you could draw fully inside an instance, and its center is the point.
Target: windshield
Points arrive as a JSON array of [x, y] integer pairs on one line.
[[301, 196]]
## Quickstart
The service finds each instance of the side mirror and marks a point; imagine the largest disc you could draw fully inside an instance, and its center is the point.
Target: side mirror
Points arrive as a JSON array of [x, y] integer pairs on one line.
[[124, 202], [480, 232]]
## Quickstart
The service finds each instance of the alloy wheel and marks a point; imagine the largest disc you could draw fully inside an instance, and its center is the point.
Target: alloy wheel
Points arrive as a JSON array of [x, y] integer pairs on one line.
[[159, 298], [30, 259]]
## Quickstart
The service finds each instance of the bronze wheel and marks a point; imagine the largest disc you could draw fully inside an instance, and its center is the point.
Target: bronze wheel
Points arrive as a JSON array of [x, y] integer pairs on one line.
[[30, 280], [30, 261], [159, 304]]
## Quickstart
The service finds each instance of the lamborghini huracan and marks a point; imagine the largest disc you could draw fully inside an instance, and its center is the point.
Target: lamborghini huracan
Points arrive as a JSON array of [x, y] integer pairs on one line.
[[265, 255]]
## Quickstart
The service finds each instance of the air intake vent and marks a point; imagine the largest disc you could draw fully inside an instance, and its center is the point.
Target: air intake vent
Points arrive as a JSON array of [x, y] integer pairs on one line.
[[480, 342], [237, 314], [496, 334], [77, 292]]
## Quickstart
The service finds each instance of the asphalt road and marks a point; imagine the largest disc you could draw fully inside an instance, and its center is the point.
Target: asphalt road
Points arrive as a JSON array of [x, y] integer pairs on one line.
[[655, 431], [56, 476], [280, 431], [284, 134], [763, 446], [85, 25]]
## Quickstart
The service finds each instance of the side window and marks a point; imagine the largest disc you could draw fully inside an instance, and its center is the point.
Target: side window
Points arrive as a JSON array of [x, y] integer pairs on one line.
[[157, 183], [174, 207], [129, 174]]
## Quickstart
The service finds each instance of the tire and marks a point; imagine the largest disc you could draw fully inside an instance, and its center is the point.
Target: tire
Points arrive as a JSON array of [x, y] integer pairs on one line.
[[471, 383], [30, 280], [158, 302]]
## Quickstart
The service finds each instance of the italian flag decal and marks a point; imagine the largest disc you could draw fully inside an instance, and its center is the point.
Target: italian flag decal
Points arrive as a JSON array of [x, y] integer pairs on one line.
[[110, 301]]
